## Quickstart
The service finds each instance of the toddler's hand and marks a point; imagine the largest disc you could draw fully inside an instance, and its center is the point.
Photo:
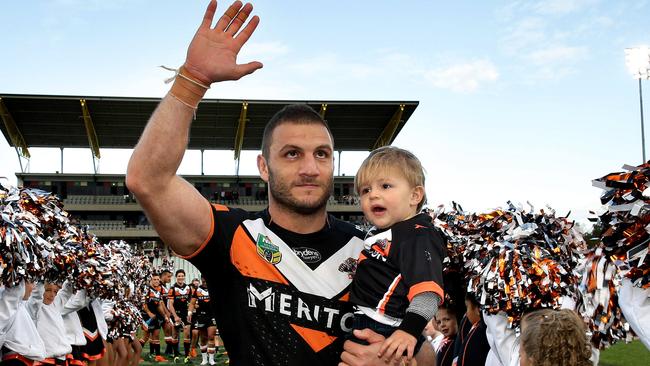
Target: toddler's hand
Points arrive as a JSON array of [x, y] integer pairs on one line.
[[393, 348]]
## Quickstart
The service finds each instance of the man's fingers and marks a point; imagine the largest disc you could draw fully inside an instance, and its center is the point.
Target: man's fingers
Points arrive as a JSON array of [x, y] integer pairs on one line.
[[348, 358], [239, 19], [209, 14], [247, 32], [249, 68], [228, 16], [368, 335]]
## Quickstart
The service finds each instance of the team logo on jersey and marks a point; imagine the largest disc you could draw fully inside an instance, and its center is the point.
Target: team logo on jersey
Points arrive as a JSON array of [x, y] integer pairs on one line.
[[267, 250], [349, 266]]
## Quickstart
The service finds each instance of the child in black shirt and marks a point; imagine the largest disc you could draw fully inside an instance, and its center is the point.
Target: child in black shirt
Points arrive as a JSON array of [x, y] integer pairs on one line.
[[398, 281]]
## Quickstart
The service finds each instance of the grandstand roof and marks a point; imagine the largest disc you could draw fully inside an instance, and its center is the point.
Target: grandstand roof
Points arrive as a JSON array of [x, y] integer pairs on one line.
[[58, 121]]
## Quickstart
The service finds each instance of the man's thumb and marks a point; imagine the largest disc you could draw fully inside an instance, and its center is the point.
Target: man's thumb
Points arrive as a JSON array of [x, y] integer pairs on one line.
[[368, 335]]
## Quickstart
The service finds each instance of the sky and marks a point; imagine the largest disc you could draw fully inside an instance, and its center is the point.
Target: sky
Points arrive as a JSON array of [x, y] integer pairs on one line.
[[525, 101]]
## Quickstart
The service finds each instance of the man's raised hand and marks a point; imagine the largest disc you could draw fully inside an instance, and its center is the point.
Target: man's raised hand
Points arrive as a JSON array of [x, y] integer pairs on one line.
[[212, 55]]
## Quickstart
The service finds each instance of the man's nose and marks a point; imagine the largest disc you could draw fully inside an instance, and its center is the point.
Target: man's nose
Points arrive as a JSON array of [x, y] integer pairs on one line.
[[309, 166]]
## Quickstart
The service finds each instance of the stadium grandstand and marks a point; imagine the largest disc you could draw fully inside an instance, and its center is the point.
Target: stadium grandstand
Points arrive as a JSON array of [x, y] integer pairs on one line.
[[104, 203]]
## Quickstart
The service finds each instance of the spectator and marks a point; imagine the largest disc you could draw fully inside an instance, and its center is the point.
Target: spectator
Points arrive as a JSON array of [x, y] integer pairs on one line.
[[553, 337]]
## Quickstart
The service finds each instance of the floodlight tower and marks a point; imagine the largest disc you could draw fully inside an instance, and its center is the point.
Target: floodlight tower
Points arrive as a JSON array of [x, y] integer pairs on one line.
[[637, 60]]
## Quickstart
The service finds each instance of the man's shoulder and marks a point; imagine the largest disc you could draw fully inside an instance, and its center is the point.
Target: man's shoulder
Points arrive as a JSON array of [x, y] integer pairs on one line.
[[224, 210], [345, 228]]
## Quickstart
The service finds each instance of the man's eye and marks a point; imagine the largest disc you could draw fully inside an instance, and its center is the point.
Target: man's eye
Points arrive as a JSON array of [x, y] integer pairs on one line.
[[322, 154], [291, 154]]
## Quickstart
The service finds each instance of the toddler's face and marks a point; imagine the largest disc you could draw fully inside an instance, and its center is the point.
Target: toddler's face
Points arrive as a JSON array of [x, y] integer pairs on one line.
[[389, 198]]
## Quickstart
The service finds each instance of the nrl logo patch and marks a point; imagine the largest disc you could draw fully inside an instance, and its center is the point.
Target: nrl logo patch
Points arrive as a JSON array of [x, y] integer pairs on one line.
[[267, 250]]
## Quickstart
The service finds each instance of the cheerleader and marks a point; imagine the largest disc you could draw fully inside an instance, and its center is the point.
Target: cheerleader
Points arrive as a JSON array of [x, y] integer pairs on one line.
[[45, 306], [475, 347], [19, 340], [635, 305], [73, 329]]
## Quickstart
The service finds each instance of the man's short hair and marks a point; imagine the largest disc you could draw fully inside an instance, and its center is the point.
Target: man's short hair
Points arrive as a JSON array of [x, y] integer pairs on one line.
[[385, 159], [300, 114], [179, 271]]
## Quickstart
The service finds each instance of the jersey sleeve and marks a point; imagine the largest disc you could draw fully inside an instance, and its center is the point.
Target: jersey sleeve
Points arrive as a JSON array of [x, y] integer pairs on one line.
[[216, 247], [171, 293], [419, 257]]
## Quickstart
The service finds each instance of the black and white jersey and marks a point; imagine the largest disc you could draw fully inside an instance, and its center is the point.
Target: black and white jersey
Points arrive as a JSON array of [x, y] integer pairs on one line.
[[397, 264], [180, 296], [153, 298], [279, 298], [202, 304]]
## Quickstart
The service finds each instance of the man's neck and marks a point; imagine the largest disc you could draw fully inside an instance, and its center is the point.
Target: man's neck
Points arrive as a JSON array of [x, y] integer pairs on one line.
[[296, 222]]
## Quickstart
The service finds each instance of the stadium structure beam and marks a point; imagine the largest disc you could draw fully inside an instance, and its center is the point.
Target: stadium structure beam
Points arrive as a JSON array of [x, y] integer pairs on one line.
[[323, 109], [390, 129], [15, 135], [92, 135], [241, 128]]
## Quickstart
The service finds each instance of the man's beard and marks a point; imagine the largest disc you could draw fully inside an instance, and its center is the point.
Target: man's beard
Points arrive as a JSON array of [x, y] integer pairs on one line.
[[281, 192]]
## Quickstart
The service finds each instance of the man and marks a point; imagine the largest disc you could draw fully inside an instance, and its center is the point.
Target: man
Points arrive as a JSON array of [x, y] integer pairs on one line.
[[271, 307], [204, 322], [155, 316], [165, 281], [178, 299]]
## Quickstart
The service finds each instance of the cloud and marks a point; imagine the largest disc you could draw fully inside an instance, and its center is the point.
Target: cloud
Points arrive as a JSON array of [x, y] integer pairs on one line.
[[561, 7], [543, 7], [525, 33], [465, 77], [557, 55], [540, 41]]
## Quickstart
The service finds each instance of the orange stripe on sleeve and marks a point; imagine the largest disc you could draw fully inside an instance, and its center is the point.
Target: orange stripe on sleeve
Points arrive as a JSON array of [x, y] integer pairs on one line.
[[362, 257], [428, 286], [207, 239], [220, 208]]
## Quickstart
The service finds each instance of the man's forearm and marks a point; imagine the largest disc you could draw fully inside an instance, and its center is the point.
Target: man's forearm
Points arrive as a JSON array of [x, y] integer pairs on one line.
[[159, 152]]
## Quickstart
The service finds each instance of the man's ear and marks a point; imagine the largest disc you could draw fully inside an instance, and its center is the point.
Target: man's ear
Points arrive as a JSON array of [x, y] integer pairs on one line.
[[417, 195], [263, 168]]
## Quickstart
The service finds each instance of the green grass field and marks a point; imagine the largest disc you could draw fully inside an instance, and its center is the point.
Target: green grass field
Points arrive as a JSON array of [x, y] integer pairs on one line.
[[195, 361], [621, 354]]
